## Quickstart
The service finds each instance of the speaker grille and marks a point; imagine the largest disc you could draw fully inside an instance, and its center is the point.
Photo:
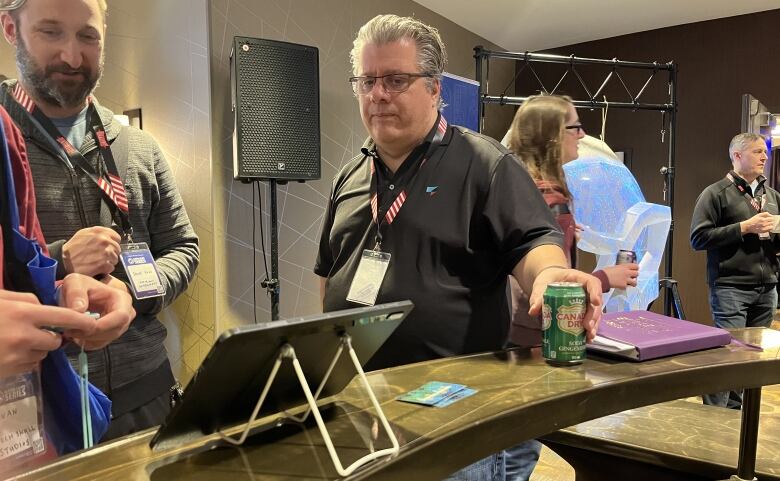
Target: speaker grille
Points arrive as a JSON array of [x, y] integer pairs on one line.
[[277, 110]]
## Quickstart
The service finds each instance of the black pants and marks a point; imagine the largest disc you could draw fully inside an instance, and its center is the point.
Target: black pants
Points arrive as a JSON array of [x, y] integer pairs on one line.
[[150, 414]]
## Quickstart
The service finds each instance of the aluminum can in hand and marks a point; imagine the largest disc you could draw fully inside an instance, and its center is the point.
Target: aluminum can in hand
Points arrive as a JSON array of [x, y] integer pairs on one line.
[[563, 334]]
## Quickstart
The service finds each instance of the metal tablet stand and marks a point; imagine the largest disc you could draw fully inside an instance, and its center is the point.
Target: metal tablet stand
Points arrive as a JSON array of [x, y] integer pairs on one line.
[[286, 352]]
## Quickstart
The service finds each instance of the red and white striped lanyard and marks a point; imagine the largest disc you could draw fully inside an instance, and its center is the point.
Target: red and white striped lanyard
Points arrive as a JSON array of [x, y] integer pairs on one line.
[[758, 206], [400, 198], [109, 181]]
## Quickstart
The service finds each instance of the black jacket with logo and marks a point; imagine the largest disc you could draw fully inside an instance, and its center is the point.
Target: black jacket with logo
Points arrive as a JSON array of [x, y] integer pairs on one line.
[[734, 259]]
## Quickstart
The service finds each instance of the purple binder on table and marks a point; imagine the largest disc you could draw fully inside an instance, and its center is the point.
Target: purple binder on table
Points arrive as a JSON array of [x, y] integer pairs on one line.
[[643, 335]]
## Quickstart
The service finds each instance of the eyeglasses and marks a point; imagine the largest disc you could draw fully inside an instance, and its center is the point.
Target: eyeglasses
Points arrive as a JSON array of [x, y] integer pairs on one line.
[[576, 127], [393, 83]]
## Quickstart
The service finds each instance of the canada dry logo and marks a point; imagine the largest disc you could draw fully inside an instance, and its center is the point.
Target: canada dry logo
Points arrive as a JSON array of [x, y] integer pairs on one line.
[[570, 317]]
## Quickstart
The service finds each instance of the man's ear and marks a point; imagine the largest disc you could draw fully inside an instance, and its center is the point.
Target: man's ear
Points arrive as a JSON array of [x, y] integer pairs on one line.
[[436, 88], [10, 31]]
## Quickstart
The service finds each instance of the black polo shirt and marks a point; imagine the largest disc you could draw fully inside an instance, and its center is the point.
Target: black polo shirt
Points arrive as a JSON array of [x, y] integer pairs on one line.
[[471, 213]]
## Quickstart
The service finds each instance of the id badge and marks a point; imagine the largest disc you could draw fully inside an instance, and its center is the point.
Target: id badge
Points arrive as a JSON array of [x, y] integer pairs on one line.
[[141, 270], [21, 418], [369, 276]]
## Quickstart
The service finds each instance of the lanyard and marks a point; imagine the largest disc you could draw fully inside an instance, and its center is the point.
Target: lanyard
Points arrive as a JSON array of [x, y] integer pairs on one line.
[[108, 179], [757, 205], [397, 202]]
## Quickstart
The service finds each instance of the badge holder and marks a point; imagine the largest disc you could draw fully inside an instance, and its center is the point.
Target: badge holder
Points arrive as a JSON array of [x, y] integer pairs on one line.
[[22, 429], [369, 276], [286, 352], [142, 272]]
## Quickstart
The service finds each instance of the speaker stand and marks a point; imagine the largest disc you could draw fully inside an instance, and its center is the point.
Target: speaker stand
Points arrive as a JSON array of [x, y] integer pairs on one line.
[[271, 284]]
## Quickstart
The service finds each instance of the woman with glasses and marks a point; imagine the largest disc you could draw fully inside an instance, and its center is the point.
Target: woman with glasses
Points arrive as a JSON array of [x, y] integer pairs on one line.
[[545, 134]]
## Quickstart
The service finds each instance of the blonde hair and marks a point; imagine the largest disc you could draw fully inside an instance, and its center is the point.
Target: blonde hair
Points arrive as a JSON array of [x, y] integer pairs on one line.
[[537, 137], [13, 6]]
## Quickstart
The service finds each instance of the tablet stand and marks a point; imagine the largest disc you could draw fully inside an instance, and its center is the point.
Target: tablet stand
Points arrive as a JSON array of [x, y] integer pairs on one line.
[[286, 352]]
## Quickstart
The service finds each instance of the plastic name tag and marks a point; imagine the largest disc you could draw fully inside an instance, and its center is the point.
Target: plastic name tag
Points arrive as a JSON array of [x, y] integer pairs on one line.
[[141, 270], [369, 276], [21, 417]]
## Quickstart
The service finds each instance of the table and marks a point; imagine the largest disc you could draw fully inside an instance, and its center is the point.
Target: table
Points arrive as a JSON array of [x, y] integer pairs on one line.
[[520, 397]]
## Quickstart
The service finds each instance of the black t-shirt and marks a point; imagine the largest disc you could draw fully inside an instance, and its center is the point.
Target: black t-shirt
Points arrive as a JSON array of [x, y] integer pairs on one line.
[[471, 213]]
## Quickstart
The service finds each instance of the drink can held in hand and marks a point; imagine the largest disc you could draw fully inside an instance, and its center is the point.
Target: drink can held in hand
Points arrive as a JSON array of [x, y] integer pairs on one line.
[[563, 334], [625, 257]]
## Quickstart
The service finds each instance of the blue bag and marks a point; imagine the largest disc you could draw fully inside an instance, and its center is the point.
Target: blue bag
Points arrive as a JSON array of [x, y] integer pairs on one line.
[[32, 271]]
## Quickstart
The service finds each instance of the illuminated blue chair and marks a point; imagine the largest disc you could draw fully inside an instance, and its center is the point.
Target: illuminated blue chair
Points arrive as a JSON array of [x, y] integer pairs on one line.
[[610, 206]]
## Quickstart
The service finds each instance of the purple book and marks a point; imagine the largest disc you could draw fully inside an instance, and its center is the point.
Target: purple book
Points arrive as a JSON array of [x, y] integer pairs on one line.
[[642, 335]]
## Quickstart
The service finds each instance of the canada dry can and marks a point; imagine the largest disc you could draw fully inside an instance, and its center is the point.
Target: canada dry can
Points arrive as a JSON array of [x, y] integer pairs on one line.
[[625, 257], [563, 341]]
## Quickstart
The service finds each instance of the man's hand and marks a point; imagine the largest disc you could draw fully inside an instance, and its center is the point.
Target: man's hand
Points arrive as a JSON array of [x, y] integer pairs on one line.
[[92, 251], [114, 306], [23, 342], [622, 275], [760, 223], [592, 288]]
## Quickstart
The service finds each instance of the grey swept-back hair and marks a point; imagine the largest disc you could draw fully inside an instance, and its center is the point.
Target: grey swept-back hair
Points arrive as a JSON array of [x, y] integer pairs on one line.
[[383, 29], [741, 141], [10, 4]]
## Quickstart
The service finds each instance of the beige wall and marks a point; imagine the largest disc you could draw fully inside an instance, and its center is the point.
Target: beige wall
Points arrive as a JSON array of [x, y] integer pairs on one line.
[[157, 59], [331, 28]]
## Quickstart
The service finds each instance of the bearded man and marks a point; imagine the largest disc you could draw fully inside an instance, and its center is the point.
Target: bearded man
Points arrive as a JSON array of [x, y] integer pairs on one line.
[[104, 193]]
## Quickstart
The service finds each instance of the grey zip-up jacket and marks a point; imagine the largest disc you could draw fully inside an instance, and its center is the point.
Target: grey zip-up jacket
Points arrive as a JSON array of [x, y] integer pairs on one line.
[[64, 196]]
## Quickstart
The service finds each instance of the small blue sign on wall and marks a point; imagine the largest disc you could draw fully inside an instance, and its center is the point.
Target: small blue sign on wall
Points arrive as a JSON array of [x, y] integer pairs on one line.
[[461, 96]]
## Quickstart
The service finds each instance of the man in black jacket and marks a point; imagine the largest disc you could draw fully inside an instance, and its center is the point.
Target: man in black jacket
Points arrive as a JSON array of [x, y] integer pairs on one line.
[[733, 221]]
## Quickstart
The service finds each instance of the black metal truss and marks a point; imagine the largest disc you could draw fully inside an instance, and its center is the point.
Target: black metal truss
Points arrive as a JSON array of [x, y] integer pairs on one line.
[[633, 101]]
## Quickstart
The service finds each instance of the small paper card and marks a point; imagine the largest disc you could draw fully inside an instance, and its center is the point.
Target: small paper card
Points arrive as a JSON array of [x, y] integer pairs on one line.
[[436, 393], [776, 227]]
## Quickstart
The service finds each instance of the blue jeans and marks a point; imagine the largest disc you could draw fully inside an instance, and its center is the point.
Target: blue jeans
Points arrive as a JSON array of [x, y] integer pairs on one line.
[[520, 460], [735, 307], [491, 468]]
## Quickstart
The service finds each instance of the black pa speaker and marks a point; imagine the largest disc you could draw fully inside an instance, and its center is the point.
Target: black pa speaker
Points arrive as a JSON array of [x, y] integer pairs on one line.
[[276, 106]]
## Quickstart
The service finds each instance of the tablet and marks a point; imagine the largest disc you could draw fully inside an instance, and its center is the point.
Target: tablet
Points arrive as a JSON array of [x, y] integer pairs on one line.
[[224, 390]]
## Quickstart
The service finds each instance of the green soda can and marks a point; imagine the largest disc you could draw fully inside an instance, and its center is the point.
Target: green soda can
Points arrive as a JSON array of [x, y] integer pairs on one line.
[[563, 335]]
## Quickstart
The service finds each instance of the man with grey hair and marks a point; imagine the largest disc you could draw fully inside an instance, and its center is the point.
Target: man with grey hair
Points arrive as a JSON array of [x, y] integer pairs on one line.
[[434, 213], [734, 221], [104, 192]]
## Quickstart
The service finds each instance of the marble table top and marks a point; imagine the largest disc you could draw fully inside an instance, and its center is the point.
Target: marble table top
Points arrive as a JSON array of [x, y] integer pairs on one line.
[[519, 397]]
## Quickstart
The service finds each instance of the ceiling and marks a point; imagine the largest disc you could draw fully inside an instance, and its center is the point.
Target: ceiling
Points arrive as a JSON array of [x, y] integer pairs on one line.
[[531, 25]]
